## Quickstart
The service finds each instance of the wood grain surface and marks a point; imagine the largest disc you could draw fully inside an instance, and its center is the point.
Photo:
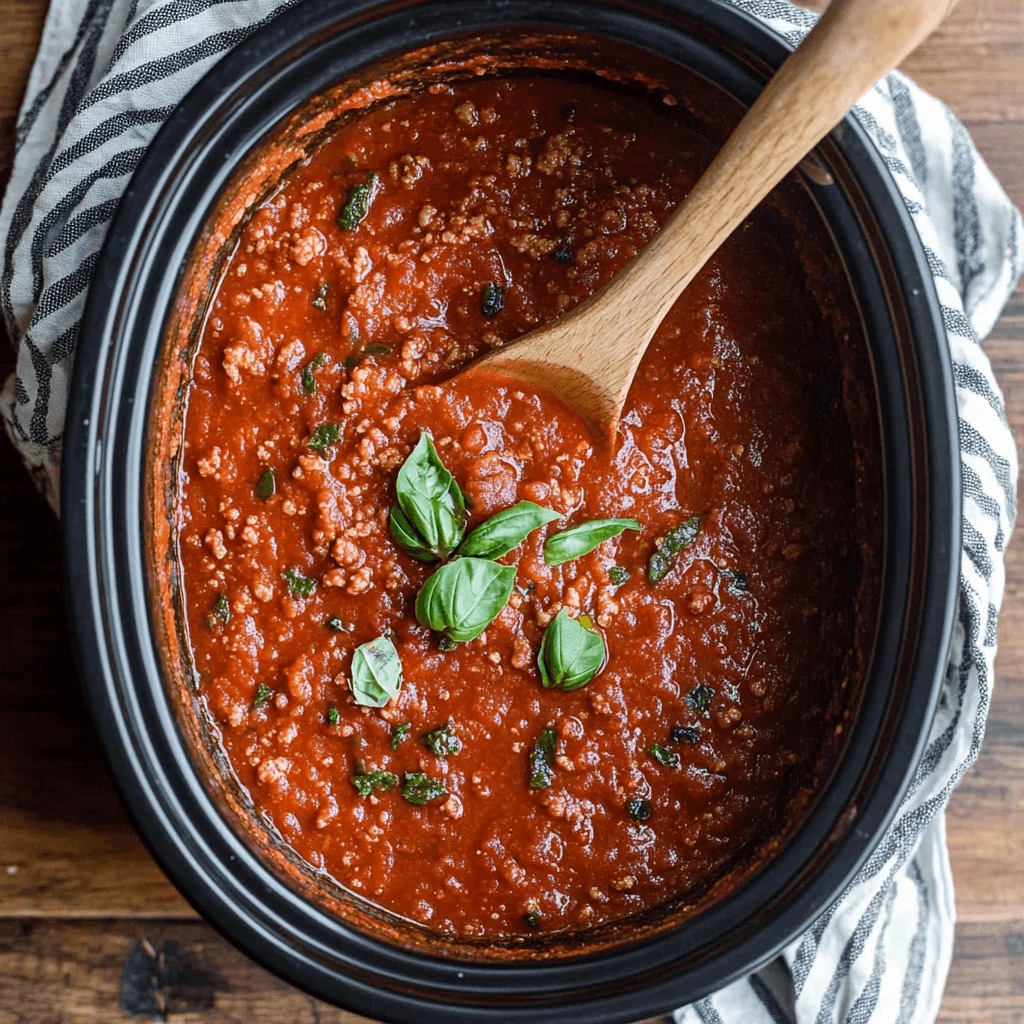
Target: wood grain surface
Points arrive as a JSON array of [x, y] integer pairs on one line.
[[91, 931]]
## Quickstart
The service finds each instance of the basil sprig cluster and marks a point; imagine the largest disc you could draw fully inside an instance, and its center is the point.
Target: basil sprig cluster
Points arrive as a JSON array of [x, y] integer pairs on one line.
[[465, 595]]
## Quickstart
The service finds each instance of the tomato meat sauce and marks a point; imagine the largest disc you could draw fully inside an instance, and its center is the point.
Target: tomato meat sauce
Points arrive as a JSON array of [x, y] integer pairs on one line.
[[633, 723]]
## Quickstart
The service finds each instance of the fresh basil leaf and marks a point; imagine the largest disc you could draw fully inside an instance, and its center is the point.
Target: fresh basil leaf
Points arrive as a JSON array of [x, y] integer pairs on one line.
[[323, 437], [639, 809], [570, 654], [266, 486], [407, 537], [431, 502], [507, 530], [367, 782], [700, 697], [462, 598], [376, 674], [263, 694], [419, 789], [398, 736], [492, 300], [442, 742], [542, 759], [676, 540], [357, 206], [665, 756], [562, 547], [220, 613]]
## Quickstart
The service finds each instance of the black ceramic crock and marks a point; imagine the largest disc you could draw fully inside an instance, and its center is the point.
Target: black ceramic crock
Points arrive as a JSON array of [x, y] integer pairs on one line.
[[177, 184]]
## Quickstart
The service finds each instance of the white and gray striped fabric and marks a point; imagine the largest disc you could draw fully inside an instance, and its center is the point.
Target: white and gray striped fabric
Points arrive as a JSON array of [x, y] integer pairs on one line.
[[107, 75]]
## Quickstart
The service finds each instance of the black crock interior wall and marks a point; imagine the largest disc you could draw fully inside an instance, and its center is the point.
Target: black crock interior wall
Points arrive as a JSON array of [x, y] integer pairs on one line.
[[104, 504]]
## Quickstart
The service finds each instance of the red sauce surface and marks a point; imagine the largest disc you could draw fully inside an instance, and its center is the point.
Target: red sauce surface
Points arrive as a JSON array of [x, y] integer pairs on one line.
[[737, 415]]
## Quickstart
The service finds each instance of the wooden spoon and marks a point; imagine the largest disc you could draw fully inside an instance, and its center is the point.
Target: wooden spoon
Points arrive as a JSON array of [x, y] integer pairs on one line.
[[588, 357]]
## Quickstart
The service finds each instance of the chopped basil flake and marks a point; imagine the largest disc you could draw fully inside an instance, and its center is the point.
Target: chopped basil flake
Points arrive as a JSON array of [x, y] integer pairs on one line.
[[357, 206], [462, 598], [445, 644], [332, 715], [684, 734], [665, 756], [618, 575], [335, 625], [532, 918], [263, 694], [320, 299], [492, 300], [367, 782], [542, 759], [676, 540], [700, 697], [220, 613], [266, 486], [376, 349], [298, 585], [737, 580], [352, 362], [419, 789], [564, 254], [323, 437], [442, 741], [308, 378], [639, 810], [398, 736]]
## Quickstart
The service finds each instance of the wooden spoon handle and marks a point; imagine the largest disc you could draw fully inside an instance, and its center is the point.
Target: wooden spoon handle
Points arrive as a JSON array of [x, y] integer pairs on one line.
[[854, 44]]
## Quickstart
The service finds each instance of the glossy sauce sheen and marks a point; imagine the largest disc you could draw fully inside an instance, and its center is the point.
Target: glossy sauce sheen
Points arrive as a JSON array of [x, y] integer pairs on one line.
[[545, 186]]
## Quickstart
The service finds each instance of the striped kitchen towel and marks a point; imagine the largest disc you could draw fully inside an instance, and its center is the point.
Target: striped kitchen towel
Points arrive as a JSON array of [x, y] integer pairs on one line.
[[107, 75]]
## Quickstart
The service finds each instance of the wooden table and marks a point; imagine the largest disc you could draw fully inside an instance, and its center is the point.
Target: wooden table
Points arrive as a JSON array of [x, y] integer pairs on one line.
[[90, 930]]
